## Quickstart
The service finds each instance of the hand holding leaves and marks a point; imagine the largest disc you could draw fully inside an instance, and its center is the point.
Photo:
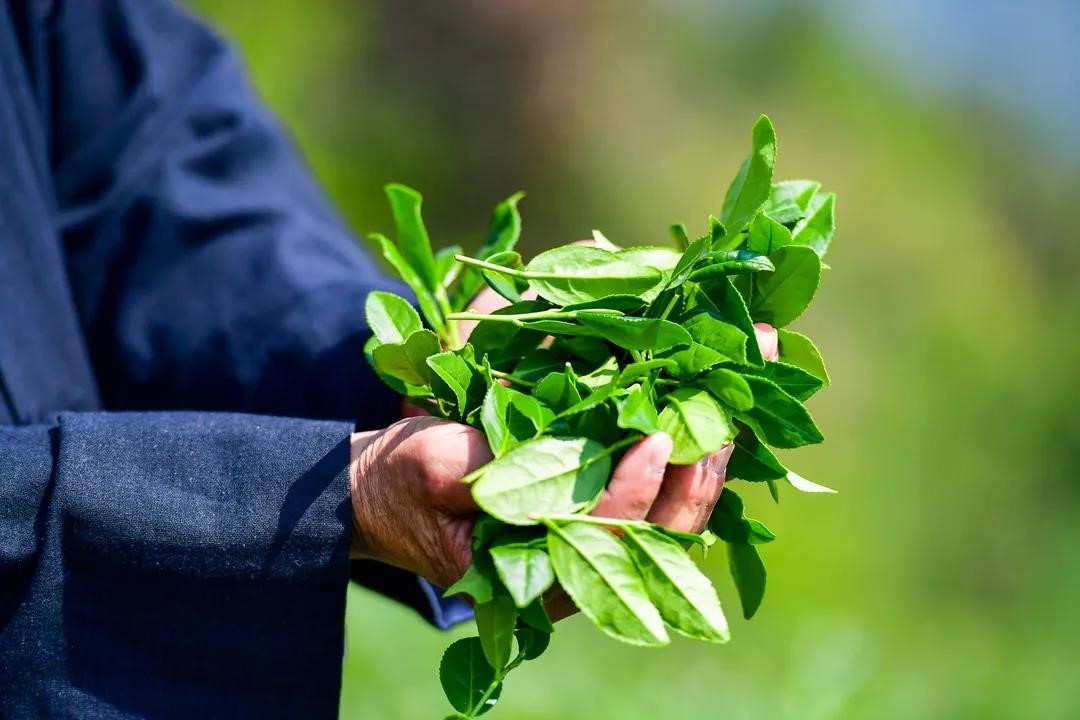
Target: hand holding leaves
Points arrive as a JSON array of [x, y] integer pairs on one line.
[[606, 364]]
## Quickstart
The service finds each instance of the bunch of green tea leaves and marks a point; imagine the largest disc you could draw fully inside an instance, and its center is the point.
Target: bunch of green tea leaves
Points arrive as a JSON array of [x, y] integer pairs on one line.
[[610, 346]]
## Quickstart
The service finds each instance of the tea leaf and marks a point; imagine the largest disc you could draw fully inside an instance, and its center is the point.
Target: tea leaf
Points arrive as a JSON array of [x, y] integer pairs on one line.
[[637, 412], [750, 188], [781, 296], [778, 418], [578, 273], [749, 575], [465, 676], [412, 235], [407, 361], [391, 318], [543, 476], [698, 426], [600, 576], [495, 622], [524, 569], [816, 230], [685, 598], [798, 350]]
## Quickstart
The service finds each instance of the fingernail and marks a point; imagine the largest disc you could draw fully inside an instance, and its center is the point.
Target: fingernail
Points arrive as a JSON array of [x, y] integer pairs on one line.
[[661, 445]]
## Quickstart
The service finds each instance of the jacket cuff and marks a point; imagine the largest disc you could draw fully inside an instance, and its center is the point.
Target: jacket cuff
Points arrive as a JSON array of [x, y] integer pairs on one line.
[[411, 590], [200, 551]]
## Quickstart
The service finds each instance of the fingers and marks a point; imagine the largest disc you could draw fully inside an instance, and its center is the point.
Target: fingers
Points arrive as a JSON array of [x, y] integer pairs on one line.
[[689, 492], [768, 340], [637, 479], [439, 453]]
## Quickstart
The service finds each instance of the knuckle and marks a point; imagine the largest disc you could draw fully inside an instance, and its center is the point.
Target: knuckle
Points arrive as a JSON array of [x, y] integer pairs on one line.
[[455, 552]]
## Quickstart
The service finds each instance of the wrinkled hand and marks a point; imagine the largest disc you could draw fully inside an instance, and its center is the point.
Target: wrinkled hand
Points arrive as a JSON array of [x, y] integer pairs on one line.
[[411, 509]]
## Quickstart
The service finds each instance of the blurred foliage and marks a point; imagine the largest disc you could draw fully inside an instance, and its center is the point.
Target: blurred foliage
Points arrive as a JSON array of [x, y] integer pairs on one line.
[[944, 579]]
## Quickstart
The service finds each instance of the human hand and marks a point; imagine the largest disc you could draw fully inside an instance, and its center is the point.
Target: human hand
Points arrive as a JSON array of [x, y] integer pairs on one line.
[[410, 508]]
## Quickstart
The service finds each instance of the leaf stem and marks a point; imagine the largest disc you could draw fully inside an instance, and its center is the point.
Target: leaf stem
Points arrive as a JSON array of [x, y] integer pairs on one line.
[[474, 711], [670, 307], [539, 315], [452, 338], [592, 520], [484, 265], [513, 272], [509, 377]]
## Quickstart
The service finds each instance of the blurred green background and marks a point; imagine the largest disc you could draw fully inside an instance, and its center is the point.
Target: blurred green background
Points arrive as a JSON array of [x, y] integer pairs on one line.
[[944, 580]]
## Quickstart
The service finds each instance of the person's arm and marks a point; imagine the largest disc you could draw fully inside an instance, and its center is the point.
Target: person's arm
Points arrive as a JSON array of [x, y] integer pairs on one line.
[[173, 564], [208, 269]]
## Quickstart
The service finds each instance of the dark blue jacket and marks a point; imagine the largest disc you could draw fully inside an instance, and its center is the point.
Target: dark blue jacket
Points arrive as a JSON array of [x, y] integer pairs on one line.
[[166, 264]]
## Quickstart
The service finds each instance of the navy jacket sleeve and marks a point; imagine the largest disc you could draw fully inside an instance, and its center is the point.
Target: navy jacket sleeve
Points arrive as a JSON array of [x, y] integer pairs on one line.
[[208, 269], [172, 565]]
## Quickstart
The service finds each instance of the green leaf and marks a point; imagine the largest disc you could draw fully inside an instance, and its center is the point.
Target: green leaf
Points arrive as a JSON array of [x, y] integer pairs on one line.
[[600, 576], [600, 240], [579, 273], [731, 262], [778, 418], [502, 236], [412, 235], [457, 381], [538, 363], [751, 461], [447, 268], [767, 236], [509, 286], [730, 524], [636, 370], [535, 616], [524, 569], [637, 412], [686, 599], [530, 408], [636, 333], [798, 350], [391, 318], [678, 234], [473, 583], [789, 200], [748, 572], [730, 388], [706, 328], [412, 278], [622, 303], [504, 423], [781, 296], [407, 361], [495, 623], [689, 259], [696, 359], [696, 423], [590, 401], [729, 307], [816, 230], [504, 342], [558, 390], [802, 484], [750, 188], [543, 476], [791, 379], [662, 258], [533, 642], [465, 676]]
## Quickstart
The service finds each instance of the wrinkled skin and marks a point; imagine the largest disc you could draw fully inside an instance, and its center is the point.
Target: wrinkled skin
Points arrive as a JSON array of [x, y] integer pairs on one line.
[[410, 508]]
